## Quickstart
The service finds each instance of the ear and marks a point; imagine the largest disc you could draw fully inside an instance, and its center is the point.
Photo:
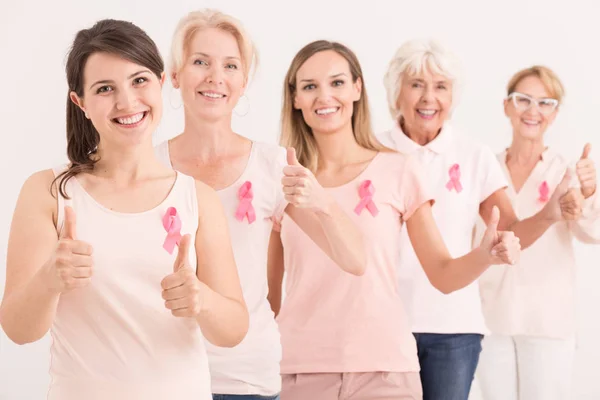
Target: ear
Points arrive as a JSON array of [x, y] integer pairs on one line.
[[295, 105], [78, 101], [357, 89], [162, 78], [506, 104], [174, 80]]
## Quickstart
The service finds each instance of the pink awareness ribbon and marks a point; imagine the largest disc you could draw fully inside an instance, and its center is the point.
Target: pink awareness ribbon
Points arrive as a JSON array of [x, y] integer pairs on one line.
[[245, 208], [544, 191], [172, 224], [454, 182], [366, 191]]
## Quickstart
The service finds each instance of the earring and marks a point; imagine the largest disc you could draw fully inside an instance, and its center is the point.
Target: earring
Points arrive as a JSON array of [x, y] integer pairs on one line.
[[247, 108], [86, 115], [171, 99]]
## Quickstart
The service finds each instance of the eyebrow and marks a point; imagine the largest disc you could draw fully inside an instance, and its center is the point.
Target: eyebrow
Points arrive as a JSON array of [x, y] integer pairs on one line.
[[208, 56], [331, 77], [422, 81], [104, 82]]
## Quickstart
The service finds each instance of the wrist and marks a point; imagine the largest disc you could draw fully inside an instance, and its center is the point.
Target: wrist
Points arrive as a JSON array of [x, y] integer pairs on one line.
[[325, 206]]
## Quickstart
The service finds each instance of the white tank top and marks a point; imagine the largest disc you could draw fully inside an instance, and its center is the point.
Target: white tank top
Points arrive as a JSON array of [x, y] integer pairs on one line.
[[114, 339]]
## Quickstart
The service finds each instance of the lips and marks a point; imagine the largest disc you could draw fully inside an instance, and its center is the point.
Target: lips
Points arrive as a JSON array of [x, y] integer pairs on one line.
[[132, 119]]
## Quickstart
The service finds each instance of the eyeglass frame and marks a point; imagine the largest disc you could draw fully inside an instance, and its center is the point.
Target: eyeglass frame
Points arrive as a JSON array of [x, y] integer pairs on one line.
[[532, 101]]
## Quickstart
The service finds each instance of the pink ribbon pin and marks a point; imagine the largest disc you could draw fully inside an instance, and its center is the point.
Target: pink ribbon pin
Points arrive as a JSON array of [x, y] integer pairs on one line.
[[172, 224], [245, 208], [544, 191], [366, 191], [454, 182]]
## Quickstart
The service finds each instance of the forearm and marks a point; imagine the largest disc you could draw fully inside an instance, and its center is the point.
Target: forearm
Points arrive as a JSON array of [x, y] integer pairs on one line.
[[224, 321], [345, 241], [28, 312], [455, 274], [531, 229]]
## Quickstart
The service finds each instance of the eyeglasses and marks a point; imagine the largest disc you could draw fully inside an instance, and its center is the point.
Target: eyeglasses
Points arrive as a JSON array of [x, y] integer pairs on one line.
[[522, 102]]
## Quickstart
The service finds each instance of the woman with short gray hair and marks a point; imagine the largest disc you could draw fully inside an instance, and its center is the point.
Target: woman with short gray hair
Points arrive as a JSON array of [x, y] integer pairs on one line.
[[467, 182]]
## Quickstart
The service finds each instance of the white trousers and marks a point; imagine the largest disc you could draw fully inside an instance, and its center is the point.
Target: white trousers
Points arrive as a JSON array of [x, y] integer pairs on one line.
[[525, 368]]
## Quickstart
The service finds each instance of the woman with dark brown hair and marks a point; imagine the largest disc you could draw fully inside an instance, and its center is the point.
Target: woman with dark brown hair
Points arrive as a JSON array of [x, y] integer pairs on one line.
[[127, 288]]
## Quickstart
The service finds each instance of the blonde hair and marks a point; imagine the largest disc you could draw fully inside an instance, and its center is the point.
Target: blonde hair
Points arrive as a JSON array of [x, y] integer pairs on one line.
[[414, 57], [549, 79], [209, 18], [296, 133]]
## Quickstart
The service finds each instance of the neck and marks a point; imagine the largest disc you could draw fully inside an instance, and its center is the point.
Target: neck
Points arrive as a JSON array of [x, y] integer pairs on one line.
[[524, 151], [338, 149], [204, 139], [126, 165], [419, 136]]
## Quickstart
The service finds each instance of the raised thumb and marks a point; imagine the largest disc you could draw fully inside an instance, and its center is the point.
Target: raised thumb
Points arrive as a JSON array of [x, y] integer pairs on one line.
[[182, 253], [68, 230], [586, 151], [291, 156]]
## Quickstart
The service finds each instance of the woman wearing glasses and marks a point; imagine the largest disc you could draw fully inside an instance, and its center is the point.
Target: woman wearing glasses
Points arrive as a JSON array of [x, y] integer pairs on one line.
[[529, 307]]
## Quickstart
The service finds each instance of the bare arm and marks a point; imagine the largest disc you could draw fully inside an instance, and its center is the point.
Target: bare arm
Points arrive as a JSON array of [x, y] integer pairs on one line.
[[39, 266], [448, 274], [321, 218], [275, 271], [224, 317], [527, 230]]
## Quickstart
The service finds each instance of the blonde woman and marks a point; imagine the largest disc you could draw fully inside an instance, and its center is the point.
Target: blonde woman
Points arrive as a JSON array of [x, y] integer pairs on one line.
[[422, 82], [530, 307], [212, 59], [347, 337]]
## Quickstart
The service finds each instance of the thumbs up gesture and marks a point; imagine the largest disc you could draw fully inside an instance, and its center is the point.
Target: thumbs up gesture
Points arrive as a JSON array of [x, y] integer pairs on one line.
[[71, 264], [300, 186], [565, 203], [182, 290], [586, 172], [503, 247]]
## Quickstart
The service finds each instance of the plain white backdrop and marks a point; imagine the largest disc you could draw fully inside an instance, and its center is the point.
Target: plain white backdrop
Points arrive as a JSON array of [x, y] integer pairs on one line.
[[492, 39]]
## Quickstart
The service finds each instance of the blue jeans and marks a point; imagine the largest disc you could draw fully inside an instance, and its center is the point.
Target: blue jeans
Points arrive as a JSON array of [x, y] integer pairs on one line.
[[243, 397], [448, 363]]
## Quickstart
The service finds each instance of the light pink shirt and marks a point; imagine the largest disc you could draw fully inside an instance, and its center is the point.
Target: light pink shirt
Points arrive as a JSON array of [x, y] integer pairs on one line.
[[332, 321], [536, 297], [252, 367], [458, 192], [114, 339]]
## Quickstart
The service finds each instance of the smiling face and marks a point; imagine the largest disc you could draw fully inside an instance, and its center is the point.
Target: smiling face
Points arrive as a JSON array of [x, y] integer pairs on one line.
[[122, 99], [326, 93], [424, 102], [528, 119], [211, 78]]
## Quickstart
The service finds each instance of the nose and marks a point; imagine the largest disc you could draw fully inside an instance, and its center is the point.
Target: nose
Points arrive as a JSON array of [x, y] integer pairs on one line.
[[126, 99], [324, 93], [215, 75], [427, 96]]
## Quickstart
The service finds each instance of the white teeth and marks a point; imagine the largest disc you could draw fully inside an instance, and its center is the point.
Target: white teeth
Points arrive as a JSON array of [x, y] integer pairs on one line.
[[427, 112], [324, 111], [131, 120], [212, 95]]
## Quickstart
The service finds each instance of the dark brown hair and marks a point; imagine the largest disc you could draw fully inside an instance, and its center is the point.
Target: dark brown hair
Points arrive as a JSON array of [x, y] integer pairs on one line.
[[122, 39]]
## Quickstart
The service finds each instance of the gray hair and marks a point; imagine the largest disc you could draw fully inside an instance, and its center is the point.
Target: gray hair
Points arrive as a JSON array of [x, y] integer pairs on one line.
[[413, 57]]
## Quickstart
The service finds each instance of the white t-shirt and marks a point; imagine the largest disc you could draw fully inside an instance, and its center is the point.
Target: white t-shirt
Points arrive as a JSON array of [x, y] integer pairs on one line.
[[252, 367], [461, 175], [537, 296]]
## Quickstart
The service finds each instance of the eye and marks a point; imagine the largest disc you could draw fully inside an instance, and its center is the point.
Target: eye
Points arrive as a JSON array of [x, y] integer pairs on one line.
[[416, 85], [231, 66], [442, 86], [310, 86], [140, 80], [104, 89], [200, 62], [337, 82]]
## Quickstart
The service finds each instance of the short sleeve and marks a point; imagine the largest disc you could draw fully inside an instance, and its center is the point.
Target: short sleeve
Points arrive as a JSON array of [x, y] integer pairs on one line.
[[413, 189], [491, 177]]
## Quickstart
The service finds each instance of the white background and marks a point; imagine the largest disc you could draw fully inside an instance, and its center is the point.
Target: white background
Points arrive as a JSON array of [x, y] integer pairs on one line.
[[492, 39]]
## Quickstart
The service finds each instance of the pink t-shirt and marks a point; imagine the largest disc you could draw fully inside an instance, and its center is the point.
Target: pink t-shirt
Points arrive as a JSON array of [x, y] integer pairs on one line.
[[332, 321], [252, 367]]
